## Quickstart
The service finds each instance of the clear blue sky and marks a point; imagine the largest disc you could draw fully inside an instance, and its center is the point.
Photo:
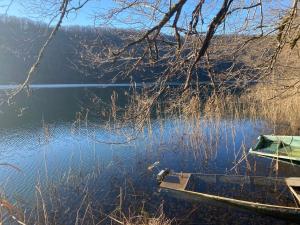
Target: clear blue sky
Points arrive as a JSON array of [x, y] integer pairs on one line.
[[85, 16], [82, 17]]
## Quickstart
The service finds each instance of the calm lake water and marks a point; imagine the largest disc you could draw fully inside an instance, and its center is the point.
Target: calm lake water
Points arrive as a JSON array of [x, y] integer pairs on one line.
[[39, 134]]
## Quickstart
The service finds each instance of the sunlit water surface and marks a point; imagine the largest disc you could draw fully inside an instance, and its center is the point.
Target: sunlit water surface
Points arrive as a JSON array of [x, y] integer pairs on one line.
[[40, 136]]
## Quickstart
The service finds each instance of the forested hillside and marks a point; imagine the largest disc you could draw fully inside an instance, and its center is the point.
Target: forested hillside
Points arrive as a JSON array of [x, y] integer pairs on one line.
[[20, 42], [67, 58]]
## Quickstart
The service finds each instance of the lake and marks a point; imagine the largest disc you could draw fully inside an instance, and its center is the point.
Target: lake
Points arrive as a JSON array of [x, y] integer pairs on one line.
[[59, 138]]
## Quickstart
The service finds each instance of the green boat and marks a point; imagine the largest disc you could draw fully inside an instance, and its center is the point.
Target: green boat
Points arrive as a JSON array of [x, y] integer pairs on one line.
[[284, 148]]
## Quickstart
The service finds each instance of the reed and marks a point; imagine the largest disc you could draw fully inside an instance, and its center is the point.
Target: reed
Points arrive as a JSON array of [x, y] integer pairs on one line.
[[200, 122], [278, 103], [74, 200]]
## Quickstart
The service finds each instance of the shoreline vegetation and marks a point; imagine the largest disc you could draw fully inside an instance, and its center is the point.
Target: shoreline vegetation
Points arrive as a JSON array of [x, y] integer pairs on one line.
[[197, 129], [70, 57]]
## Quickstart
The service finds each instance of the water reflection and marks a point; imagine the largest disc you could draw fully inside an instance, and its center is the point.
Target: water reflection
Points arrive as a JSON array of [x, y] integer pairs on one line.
[[56, 105], [76, 158]]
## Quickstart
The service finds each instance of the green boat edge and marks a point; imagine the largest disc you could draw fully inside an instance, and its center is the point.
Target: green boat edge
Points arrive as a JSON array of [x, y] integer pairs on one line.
[[286, 159]]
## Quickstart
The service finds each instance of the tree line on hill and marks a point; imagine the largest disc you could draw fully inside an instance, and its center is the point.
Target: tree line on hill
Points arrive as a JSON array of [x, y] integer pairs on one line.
[[71, 56]]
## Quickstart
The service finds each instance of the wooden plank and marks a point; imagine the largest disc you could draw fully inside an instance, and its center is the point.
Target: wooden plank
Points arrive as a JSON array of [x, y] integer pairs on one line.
[[293, 184], [295, 194], [293, 181], [177, 181]]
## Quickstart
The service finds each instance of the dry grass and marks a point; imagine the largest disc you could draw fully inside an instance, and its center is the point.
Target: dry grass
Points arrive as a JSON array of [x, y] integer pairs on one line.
[[278, 103], [142, 219], [198, 130], [198, 120]]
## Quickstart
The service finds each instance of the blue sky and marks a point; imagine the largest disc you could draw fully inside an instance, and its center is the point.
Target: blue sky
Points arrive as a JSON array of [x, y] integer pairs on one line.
[[85, 16], [82, 17]]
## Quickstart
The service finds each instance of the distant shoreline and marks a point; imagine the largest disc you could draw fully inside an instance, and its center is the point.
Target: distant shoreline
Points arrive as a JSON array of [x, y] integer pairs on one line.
[[105, 85], [37, 86]]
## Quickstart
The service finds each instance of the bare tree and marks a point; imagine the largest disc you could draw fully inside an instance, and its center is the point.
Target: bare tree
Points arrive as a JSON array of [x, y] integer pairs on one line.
[[65, 7], [178, 40], [183, 37]]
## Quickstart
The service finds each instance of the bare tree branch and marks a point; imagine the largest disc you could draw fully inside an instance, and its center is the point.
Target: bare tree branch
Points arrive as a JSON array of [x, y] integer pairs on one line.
[[177, 7], [34, 67], [218, 19], [7, 6]]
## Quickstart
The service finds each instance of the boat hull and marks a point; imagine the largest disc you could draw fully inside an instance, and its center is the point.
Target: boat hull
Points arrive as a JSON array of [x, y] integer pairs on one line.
[[286, 213], [178, 185], [283, 148]]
